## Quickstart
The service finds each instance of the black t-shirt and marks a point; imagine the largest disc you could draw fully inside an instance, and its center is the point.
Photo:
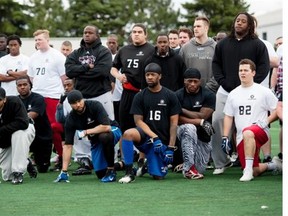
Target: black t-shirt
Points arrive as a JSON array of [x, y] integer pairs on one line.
[[156, 109], [93, 116], [35, 103], [130, 59], [194, 102]]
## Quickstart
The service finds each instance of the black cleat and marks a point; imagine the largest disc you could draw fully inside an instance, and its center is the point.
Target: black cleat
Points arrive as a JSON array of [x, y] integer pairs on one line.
[[32, 171], [17, 178]]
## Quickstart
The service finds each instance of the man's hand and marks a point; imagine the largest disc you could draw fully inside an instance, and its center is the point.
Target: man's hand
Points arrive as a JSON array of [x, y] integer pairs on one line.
[[62, 177], [81, 134], [159, 147], [168, 155], [62, 98], [207, 126], [226, 145]]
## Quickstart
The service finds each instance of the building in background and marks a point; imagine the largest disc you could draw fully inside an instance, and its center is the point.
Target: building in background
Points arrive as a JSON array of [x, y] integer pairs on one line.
[[270, 25]]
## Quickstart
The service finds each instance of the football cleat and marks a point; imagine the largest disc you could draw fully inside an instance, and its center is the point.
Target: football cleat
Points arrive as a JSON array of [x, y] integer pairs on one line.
[[142, 167], [247, 176], [109, 177], [32, 171], [17, 178], [127, 179], [193, 174]]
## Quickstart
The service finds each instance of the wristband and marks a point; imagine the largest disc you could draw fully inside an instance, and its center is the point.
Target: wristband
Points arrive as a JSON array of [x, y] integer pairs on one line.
[[202, 121]]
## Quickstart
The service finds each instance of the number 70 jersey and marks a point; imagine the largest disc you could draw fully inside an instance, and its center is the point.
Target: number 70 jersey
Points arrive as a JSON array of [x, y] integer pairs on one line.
[[46, 69], [156, 109]]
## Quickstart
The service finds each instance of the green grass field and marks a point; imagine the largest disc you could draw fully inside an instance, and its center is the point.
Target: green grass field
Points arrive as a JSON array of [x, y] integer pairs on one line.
[[85, 195]]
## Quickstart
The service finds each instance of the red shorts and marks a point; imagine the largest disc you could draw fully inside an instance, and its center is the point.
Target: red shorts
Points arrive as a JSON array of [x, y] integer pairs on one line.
[[260, 139]]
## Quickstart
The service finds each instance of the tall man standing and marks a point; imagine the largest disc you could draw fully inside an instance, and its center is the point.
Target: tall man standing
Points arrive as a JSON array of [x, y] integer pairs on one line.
[[241, 43], [47, 74], [130, 59], [90, 66], [198, 53]]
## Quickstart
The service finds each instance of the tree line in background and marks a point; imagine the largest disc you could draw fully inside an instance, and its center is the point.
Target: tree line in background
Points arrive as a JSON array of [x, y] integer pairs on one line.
[[112, 16]]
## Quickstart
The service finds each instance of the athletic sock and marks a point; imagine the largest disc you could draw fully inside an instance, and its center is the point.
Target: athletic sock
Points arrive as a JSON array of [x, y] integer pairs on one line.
[[127, 148], [249, 163]]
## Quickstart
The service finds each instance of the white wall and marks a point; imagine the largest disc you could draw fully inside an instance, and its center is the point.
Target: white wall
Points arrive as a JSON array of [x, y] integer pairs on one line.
[[272, 24], [28, 44]]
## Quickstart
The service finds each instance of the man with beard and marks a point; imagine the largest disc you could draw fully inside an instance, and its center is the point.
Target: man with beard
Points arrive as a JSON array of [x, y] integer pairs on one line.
[[241, 43], [195, 128], [156, 110], [90, 121], [36, 109]]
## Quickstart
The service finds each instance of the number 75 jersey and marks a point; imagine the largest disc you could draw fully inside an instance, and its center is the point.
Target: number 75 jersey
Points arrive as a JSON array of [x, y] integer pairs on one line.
[[156, 109]]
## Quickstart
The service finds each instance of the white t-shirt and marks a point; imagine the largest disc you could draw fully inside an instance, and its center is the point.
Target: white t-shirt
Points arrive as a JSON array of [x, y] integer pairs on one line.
[[8, 62], [46, 68], [248, 105]]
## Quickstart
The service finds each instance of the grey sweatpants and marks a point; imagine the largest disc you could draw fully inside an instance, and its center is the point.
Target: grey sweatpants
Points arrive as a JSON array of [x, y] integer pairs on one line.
[[220, 159], [195, 152], [14, 158]]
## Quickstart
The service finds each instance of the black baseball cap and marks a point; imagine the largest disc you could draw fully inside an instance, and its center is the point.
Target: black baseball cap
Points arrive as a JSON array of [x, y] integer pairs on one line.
[[2, 93], [74, 96]]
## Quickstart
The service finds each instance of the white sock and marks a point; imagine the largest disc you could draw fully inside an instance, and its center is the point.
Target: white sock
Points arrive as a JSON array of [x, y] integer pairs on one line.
[[249, 163]]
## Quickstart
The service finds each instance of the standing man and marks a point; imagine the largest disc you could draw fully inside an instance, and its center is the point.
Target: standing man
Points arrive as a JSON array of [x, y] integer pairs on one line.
[[90, 66], [130, 59], [90, 121], [47, 74], [3, 45], [174, 42], [156, 110], [195, 124], [198, 53], [185, 35], [16, 135], [241, 43], [34, 103], [251, 121], [172, 65], [66, 48], [13, 65], [112, 44]]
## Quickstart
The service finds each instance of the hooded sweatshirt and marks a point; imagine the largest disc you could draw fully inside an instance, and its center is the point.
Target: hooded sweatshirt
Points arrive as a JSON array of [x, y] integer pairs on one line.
[[91, 82], [200, 56]]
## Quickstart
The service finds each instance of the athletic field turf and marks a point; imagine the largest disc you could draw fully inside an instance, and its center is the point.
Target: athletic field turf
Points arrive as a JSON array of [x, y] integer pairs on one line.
[[85, 195]]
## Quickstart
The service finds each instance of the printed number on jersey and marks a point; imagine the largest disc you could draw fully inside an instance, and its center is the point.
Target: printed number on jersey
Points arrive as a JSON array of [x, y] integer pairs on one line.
[[40, 71], [245, 110], [155, 115], [133, 63]]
